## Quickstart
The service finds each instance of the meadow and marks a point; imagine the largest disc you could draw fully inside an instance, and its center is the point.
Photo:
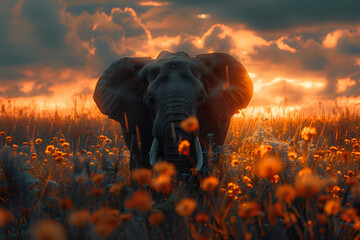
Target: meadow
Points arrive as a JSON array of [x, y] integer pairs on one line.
[[285, 172]]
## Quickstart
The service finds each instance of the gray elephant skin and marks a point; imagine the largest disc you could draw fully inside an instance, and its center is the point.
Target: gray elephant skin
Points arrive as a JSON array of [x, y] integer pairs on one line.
[[150, 97]]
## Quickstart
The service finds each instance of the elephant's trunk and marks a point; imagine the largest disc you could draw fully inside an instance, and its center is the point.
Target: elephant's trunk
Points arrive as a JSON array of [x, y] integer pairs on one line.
[[172, 135], [169, 139]]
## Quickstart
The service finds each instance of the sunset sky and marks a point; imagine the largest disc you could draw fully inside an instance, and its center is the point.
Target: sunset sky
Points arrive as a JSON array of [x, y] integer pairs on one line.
[[53, 50]]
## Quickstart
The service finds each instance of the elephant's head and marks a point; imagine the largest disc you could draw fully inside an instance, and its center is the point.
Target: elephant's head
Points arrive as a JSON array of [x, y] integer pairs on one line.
[[150, 97]]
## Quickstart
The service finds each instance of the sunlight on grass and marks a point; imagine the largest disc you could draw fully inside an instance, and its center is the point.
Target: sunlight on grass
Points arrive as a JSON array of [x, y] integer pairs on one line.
[[284, 172]]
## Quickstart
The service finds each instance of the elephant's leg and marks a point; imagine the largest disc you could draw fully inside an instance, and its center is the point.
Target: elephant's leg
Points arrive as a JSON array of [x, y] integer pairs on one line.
[[135, 154]]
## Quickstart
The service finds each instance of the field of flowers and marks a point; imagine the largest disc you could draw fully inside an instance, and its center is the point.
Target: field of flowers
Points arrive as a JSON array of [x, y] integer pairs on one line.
[[285, 172]]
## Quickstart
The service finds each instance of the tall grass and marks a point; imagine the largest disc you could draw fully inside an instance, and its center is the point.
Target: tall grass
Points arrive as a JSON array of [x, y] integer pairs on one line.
[[64, 173]]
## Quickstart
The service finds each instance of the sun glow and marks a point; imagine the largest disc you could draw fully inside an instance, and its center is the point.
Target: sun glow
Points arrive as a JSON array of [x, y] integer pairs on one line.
[[154, 4], [203, 16]]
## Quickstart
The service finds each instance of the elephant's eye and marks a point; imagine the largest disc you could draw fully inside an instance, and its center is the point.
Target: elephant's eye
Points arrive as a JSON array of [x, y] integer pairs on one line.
[[201, 97], [150, 99]]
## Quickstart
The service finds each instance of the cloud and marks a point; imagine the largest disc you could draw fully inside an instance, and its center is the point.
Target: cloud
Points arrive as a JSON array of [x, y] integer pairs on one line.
[[57, 49], [263, 15], [334, 60]]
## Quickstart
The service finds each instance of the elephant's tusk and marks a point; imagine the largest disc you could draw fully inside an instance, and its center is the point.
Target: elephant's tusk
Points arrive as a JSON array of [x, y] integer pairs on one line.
[[199, 154], [153, 151]]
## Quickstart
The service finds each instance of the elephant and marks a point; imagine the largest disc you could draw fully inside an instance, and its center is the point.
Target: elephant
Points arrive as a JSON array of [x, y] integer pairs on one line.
[[151, 97]]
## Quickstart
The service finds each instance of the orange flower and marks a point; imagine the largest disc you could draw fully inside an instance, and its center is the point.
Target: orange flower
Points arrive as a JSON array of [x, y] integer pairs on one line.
[[276, 179], [308, 133], [98, 178], [202, 218], [142, 176], [209, 184], [307, 184], [79, 218], [268, 168], [38, 141], [190, 124], [235, 162], [105, 220], [6, 217], [59, 159], [80, 178], [349, 215], [125, 217], [48, 230], [50, 148], [260, 151], [115, 189], [156, 218], [292, 155], [2, 134], [274, 212], [139, 200], [285, 193], [289, 219], [57, 153], [186, 207], [165, 168], [246, 180], [66, 145], [305, 171], [332, 207], [184, 147], [248, 209], [162, 184]]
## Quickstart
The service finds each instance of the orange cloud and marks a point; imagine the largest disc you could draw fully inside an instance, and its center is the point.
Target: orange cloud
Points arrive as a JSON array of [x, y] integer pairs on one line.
[[332, 38], [283, 46], [344, 83]]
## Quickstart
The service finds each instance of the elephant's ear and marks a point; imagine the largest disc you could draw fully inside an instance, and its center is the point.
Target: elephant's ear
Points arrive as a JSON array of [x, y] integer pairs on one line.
[[118, 89], [229, 89], [118, 95]]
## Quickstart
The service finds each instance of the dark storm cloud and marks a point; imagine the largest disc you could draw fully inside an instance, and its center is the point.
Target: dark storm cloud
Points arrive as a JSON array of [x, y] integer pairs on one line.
[[349, 45], [78, 7], [267, 15], [36, 35], [46, 21]]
